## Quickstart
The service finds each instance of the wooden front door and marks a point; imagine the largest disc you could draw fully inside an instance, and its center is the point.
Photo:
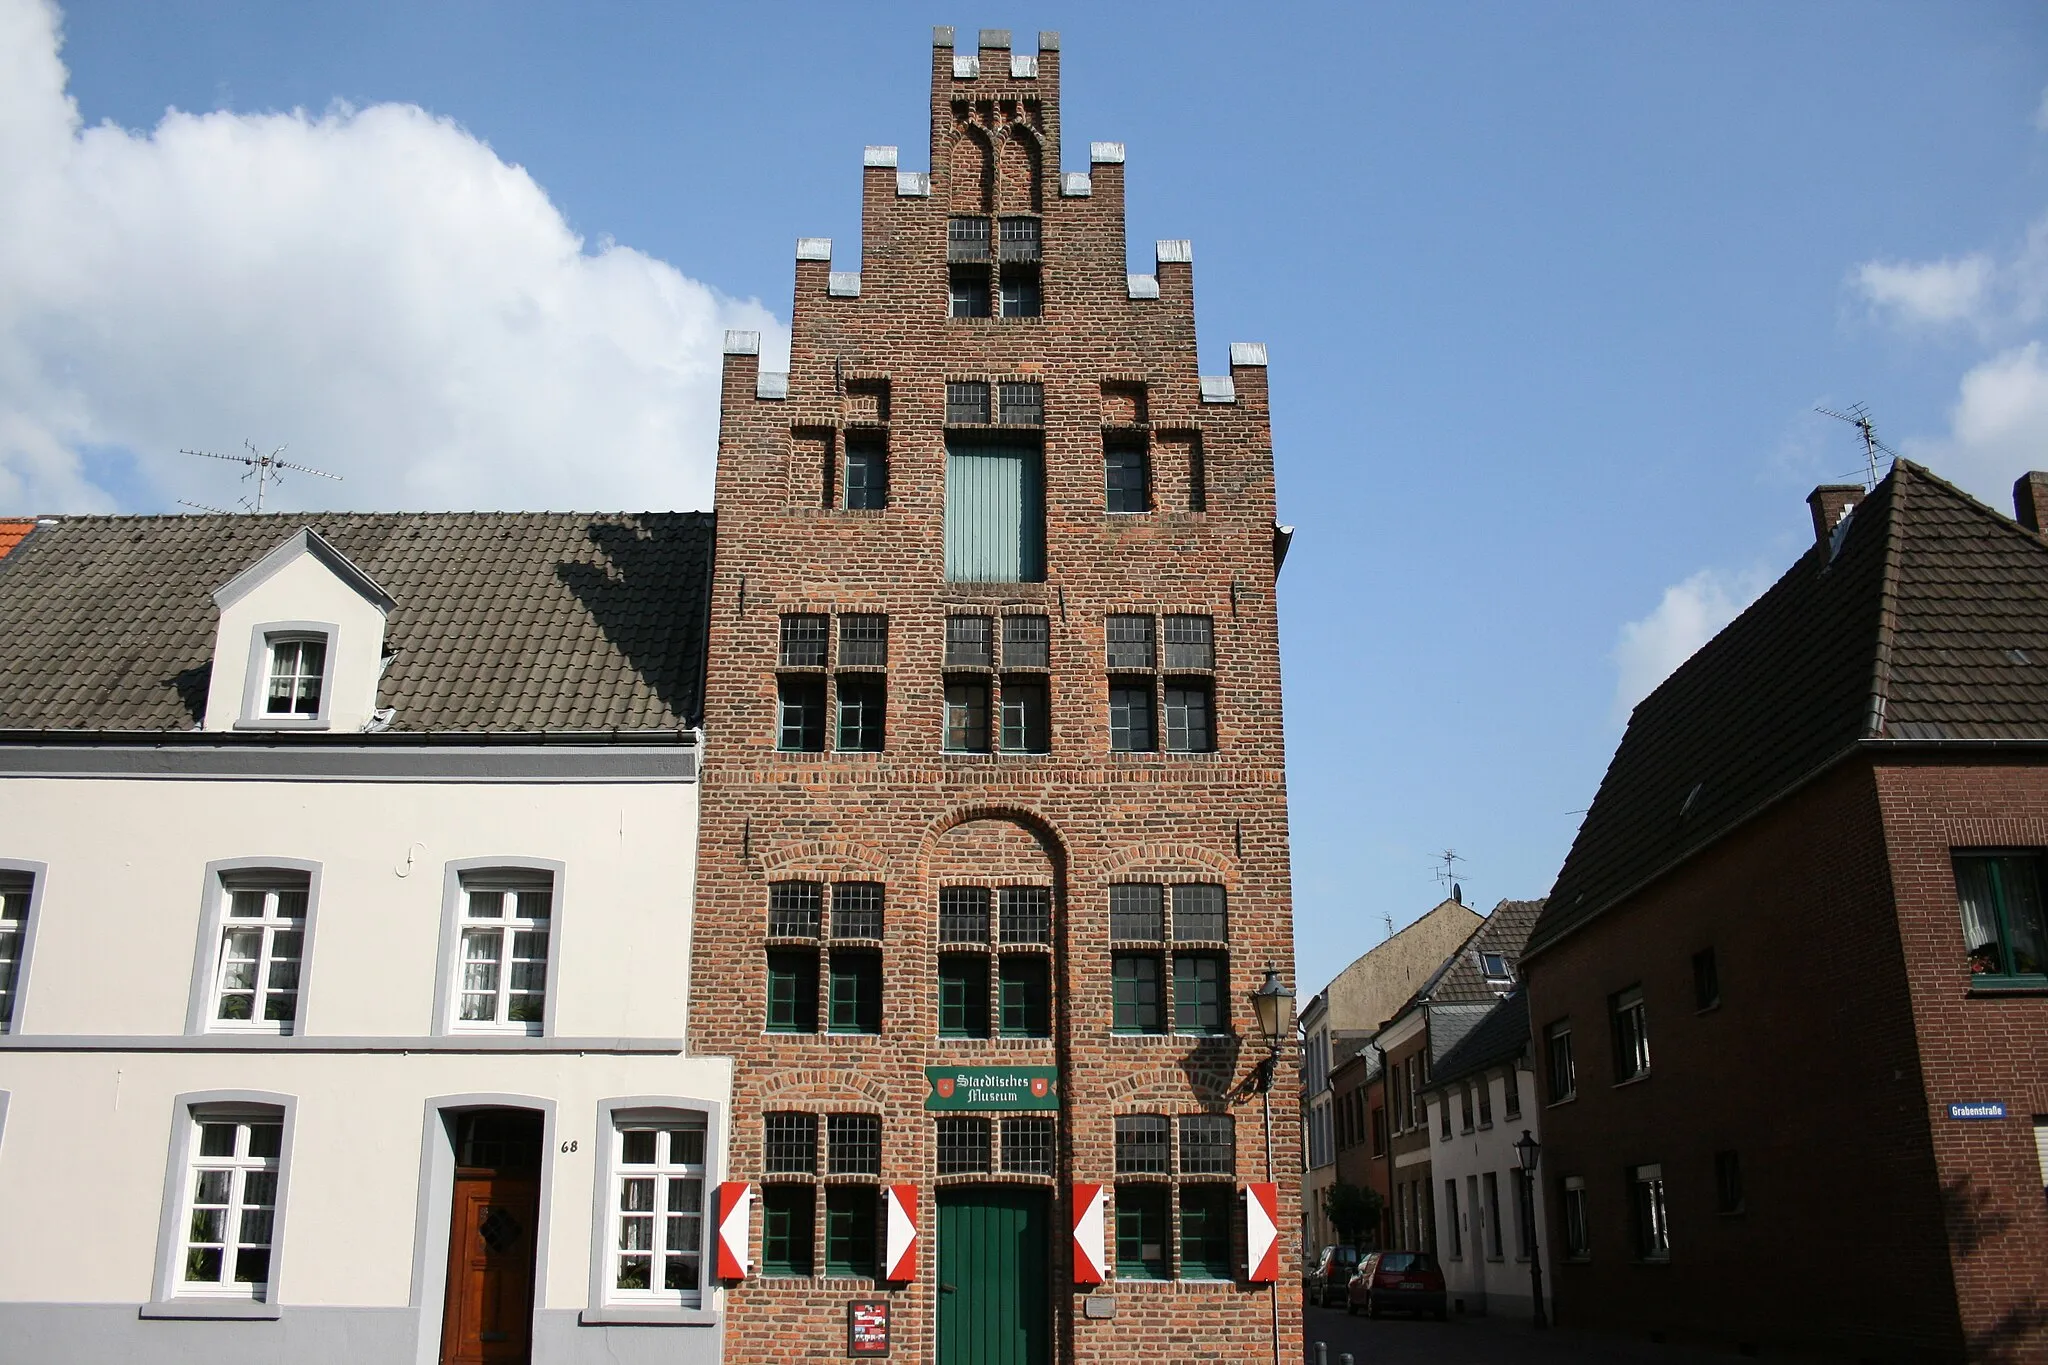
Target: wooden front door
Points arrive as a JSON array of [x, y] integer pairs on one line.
[[487, 1314], [995, 1304]]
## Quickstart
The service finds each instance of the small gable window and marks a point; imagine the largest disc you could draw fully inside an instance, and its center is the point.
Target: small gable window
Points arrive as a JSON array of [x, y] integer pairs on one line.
[[298, 666]]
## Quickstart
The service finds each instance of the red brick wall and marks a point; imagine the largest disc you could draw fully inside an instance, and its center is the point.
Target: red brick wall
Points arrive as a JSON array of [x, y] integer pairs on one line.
[[1808, 1069], [1976, 1046], [1086, 816]]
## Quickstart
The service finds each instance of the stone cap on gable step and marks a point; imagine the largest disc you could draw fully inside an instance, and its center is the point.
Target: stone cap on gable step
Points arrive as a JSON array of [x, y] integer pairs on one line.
[[1175, 249], [1076, 185], [1247, 353], [884, 157], [742, 343], [814, 248], [1106, 153]]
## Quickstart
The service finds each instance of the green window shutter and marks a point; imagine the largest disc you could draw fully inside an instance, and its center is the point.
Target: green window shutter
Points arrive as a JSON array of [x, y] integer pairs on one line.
[[995, 513], [1205, 1216], [1135, 987], [793, 991], [1026, 995], [855, 991], [1141, 1232], [963, 996], [787, 1222], [1197, 993], [850, 1230]]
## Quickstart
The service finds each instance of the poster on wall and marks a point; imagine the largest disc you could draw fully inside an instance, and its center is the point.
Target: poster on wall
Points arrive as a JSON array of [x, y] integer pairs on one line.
[[867, 1328]]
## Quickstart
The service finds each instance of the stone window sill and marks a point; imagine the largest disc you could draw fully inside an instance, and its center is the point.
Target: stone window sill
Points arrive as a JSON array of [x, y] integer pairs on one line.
[[214, 1310]]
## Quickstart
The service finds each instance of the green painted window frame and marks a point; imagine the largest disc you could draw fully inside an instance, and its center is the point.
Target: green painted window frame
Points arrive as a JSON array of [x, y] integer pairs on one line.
[[1024, 995], [1208, 1210], [788, 1230], [792, 990], [963, 995], [854, 991], [2001, 871], [1138, 1005], [1143, 1218], [851, 1219], [1201, 1002], [800, 714]]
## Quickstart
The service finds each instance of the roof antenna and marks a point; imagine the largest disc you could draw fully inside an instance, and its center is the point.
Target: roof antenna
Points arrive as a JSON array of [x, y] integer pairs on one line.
[[1448, 874], [1858, 416], [264, 469]]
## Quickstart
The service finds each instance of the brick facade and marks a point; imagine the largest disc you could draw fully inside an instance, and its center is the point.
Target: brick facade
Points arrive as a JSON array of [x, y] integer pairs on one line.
[[870, 361], [1845, 1025]]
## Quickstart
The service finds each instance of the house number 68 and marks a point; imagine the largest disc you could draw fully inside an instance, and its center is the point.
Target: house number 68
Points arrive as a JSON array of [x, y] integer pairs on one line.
[[570, 1145]]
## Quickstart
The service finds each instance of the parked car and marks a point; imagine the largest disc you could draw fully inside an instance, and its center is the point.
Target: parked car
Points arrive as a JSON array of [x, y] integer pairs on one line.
[[1332, 1272], [1399, 1282]]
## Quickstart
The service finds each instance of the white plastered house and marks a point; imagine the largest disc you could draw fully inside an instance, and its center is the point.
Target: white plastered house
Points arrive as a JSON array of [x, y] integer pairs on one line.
[[346, 869]]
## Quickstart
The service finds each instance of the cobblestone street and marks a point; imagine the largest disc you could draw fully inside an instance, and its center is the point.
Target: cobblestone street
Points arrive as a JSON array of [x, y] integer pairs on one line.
[[1482, 1341]]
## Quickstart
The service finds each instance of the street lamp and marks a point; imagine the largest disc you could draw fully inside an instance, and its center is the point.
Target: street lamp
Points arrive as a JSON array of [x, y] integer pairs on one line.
[[1528, 1151], [1269, 1008]]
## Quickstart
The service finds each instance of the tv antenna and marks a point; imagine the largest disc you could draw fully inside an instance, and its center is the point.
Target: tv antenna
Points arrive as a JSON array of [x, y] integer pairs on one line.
[[1447, 875], [264, 469], [1858, 416]]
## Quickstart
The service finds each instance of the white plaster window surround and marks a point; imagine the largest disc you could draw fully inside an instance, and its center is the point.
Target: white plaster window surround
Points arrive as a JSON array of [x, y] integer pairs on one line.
[[256, 934], [221, 1240], [290, 683], [21, 897], [658, 1168], [500, 946]]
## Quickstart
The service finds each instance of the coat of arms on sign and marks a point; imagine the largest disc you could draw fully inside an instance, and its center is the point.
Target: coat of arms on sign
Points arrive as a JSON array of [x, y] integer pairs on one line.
[[944, 1085], [1038, 1088]]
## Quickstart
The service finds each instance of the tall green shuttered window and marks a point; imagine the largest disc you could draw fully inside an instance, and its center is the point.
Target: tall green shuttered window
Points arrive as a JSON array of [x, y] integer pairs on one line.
[[995, 512]]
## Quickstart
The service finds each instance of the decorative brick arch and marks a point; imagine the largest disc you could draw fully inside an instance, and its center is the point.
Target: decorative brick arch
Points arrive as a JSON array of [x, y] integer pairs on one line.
[[970, 171], [817, 1090], [1037, 825], [1019, 159], [831, 859], [1189, 862], [1168, 1087]]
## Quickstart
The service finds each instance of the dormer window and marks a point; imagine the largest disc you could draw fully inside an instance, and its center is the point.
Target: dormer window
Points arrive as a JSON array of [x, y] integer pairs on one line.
[[298, 668]]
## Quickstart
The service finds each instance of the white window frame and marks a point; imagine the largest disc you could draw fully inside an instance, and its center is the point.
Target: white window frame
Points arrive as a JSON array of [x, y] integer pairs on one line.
[[263, 639], [654, 1307], [173, 1296], [216, 897], [23, 953], [504, 874], [266, 927]]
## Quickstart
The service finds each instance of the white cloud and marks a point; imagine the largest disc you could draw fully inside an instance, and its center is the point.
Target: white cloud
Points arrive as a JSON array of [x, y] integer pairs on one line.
[[1998, 426], [373, 286], [1935, 293], [1690, 614]]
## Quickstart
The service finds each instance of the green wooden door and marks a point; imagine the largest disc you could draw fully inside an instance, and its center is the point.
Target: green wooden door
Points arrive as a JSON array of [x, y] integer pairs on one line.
[[994, 1264]]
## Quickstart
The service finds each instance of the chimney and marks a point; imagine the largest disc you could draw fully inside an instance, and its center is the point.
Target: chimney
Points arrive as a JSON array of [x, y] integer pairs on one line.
[[1830, 503], [2030, 499]]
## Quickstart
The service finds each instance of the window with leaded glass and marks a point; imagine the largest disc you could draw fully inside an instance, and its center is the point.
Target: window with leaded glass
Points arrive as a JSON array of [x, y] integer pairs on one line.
[[789, 1143], [850, 1220], [1024, 984], [863, 702], [854, 991], [1208, 1144], [792, 990], [2005, 927], [963, 995], [967, 717], [1136, 913], [1130, 718], [963, 914], [853, 1144], [1126, 475], [231, 1204], [1019, 239], [788, 1229], [1136, 1002], [963, 1145], [1026, 721], [966, 239], [1206, 1209], [1025, 914], [1143, 1145], [1030, 1146], [1130, 641], [263, 932], [504, 945], [866, 480], [1141, 1231], [863, 640], [1023, 405], [1027, 642], [857, 910], [967, 402], [1187, 707], [657, 1242], [969, 642], [1190, 641], [804, 639], [15, 891], [793, 909], [800, 714], [1198, 913], [1199, 983]]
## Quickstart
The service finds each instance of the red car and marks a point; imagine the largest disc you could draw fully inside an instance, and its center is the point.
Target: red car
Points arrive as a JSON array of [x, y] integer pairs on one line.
[[1397, 1281]]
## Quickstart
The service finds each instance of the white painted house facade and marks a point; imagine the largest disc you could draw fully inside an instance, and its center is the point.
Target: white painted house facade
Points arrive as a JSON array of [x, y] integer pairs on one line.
[[347, 867]]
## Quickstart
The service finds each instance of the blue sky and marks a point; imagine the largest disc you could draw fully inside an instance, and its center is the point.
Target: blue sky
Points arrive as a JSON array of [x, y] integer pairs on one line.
[[1550, 292]]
